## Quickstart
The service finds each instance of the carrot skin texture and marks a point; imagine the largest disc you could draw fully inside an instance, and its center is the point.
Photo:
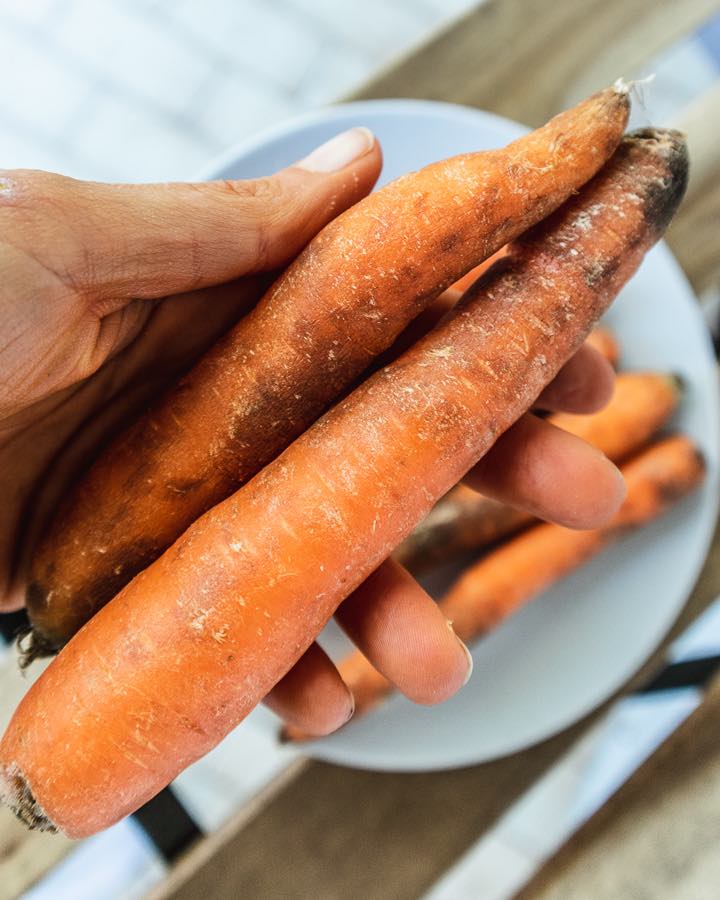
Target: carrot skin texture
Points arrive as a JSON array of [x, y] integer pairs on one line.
[[232, 605], [343, 301], [464, 520], [513, 574]]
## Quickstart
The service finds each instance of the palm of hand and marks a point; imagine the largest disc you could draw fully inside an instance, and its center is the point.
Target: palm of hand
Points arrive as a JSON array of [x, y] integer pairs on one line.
[[73, 377]]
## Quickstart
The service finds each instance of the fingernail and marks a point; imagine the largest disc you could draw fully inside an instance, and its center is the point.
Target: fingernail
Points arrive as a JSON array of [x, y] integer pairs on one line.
[[471, 664], [339, 151], [468, 654], [352, 707]]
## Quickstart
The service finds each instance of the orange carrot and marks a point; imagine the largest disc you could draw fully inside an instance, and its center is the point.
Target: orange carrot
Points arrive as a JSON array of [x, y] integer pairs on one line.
[[343, 301], [518, 571], [641, 404], [605, 342], [515, 573], [464, 520], [197, 639], [467, 280]]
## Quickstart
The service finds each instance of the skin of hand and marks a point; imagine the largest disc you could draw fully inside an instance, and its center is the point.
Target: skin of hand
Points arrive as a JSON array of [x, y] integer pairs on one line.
[[110, 292]]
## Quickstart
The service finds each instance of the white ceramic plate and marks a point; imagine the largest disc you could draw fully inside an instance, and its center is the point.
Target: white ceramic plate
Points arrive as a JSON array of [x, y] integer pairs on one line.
[[569, 650]]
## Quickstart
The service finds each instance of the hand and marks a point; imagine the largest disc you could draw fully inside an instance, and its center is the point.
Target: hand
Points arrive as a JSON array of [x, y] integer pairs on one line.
[[397, 625], [110, 292]]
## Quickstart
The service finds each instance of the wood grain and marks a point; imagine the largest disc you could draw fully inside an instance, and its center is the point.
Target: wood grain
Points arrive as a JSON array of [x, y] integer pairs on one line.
[[526, 59], [694, 236]]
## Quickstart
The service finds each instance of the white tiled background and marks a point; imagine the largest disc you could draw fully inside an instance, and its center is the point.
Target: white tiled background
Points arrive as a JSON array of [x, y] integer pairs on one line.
[[143, 90]]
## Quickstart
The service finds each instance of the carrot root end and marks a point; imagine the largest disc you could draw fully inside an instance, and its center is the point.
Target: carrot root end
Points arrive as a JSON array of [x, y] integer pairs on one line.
[[15, 792], [32, 645]]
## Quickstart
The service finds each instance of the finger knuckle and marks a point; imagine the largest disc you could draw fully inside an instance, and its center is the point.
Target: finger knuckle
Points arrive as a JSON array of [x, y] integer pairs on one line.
[[264, 207]]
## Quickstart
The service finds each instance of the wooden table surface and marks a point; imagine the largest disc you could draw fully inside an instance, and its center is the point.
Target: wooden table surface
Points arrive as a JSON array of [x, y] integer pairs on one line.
[[331, 832]]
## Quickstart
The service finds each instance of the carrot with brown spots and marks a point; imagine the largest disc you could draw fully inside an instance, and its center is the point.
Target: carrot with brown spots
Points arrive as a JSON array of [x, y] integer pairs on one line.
[[518, 571], [145, 688], [342, 302], [464, 520]]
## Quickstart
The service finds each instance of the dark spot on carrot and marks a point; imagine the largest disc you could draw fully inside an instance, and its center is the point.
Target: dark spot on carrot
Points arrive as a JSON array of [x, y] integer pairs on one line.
[[663, 197], [410, 272], [449, 242], [598, 271], [25, 806]]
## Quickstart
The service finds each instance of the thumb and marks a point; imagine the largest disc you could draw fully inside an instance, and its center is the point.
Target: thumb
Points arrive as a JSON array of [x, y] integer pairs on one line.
[[147, 241]]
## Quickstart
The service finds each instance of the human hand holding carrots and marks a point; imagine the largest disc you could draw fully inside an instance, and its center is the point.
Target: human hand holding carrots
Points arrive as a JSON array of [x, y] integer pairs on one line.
[[111, 291], [226, 616]]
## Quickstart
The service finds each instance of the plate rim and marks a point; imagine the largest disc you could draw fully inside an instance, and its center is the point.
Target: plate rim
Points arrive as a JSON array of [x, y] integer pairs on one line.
[[389, 106]]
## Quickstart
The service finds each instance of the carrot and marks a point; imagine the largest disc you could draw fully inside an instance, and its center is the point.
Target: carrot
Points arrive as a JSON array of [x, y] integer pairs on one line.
[[464, 520], [518, 571], [343, 301], [197, 639], [515, 573], [467, 280], [641, 404], [605, 342]]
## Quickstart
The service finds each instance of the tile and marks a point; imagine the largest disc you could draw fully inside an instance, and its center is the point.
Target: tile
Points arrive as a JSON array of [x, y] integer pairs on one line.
[[133, 53], [256, 38], [37, 87], [30, 12], [118, 864], [231, 109], [335, 72], [19, 150], [494, 872], [132, 144], [380, 29], [702, 638]]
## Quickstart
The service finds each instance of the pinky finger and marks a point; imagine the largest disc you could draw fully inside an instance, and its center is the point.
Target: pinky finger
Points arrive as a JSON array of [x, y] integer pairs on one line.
[[312, 696]]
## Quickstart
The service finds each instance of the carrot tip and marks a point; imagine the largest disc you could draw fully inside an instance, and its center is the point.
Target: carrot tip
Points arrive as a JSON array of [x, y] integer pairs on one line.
[[622, 87], [15, 792]]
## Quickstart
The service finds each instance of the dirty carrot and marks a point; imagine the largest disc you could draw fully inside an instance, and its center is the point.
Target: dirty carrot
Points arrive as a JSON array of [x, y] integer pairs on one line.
[[343, 301], [516, 572], [464, 520], [185, 651]]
